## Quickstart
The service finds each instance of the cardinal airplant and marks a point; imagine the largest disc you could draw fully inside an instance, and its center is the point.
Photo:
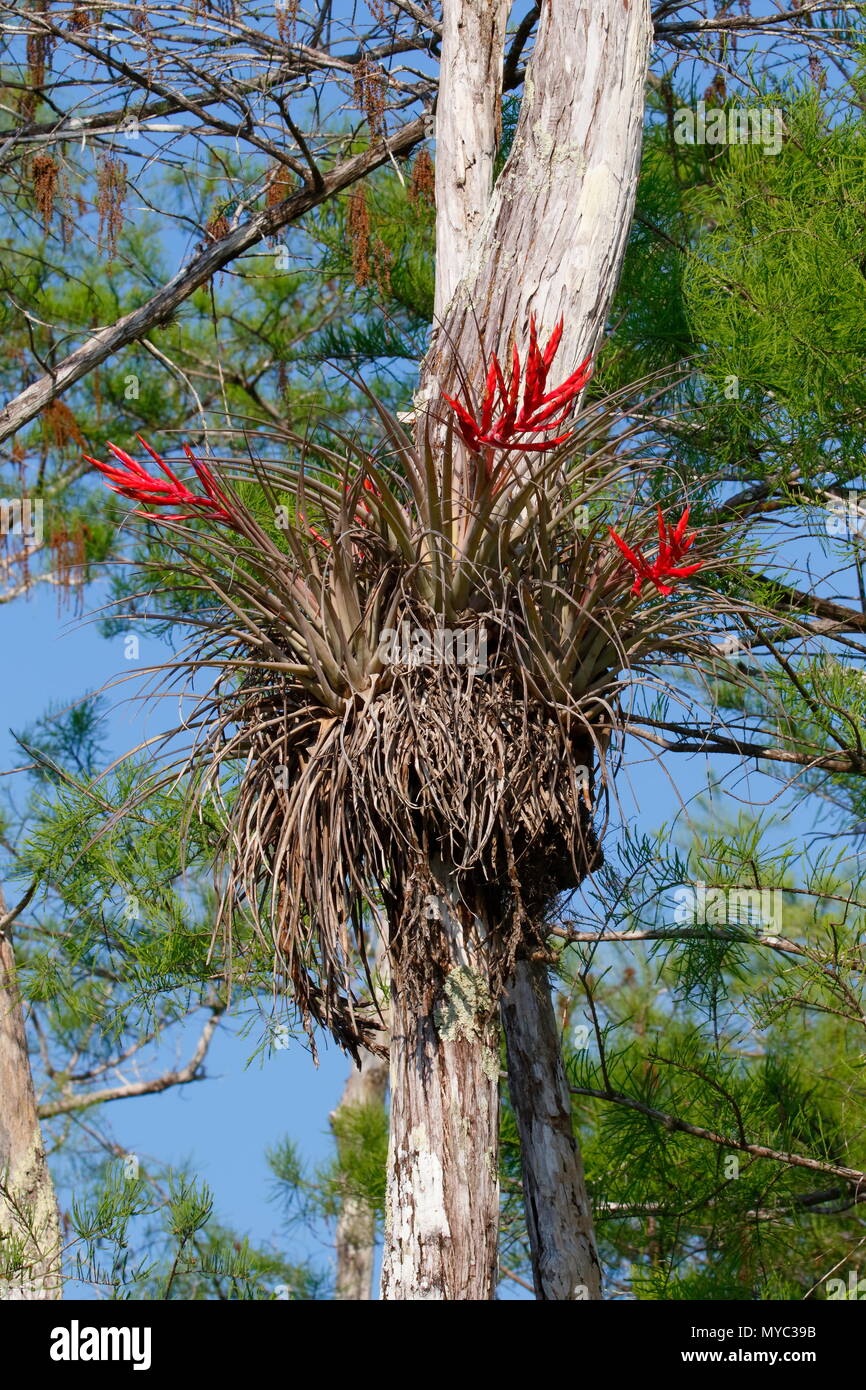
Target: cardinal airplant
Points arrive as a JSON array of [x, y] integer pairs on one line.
[[347, 776]]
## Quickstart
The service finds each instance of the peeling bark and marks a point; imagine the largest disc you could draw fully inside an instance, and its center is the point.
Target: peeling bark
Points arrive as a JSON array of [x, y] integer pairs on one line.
[[468, 128], [565, 1264], [554, 232], [550, 241], [30, 1244], [442, 1219]]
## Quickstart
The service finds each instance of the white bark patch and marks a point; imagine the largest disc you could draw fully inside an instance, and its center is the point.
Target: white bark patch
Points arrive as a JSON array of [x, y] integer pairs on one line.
[[598, 195], [425, 1216], [29, 1224], [553, 235], [467, 131], [550, 242]]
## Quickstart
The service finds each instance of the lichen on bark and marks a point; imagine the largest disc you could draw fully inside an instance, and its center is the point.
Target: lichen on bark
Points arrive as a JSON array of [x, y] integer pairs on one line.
[[464, 1007]]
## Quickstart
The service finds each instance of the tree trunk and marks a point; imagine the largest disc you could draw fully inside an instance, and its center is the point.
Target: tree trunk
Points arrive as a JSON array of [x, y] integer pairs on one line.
[[468, 128], [442, 1219], [356, 1225], [553, 234], [550, 242], [565, 1262], [30, 1243], [442, 1222]]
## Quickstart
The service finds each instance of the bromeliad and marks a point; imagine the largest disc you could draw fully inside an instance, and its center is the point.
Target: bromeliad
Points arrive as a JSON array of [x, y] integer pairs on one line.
[[325, 745], [673, 544], [541, 411], [132, 480], [363, 510]]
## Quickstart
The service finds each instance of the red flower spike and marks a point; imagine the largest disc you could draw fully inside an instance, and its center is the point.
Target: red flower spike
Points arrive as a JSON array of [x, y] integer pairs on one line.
[[552, 345], [487, 408], [542, 411], [534, 369], [132, 480], [673, 544]]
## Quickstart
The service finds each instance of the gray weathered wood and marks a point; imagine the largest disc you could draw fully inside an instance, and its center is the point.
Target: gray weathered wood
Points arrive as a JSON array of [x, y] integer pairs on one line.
[[565, 1262], [550, 241], [554, 233], [28, 1207], [468, 128], [443, 1181], [442, 1217]]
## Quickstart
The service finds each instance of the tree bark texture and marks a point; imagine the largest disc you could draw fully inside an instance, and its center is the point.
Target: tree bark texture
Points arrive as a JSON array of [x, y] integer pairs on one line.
[[565, 1264], [30, 1244], [549, 241], [442, 1219], [554, 232], [468, 129]]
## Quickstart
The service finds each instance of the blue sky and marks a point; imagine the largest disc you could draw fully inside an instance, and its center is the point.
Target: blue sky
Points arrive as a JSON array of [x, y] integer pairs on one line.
[[220, 1126]]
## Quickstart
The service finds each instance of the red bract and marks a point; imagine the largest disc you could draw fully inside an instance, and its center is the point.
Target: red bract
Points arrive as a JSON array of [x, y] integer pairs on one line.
[[134, 481], [673, 544], [363, 507], [542, 411]]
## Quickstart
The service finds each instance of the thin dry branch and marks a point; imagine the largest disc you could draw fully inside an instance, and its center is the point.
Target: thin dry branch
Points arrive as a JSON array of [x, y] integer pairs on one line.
[[676, 1125], [26, 406], [754, 24], [182, 1077]]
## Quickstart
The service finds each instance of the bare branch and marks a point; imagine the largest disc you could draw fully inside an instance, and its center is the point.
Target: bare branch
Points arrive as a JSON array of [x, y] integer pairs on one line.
[[189, 1072], [8, 918], [417, 12], [26, 406], [764, 24], [675, 1125]]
